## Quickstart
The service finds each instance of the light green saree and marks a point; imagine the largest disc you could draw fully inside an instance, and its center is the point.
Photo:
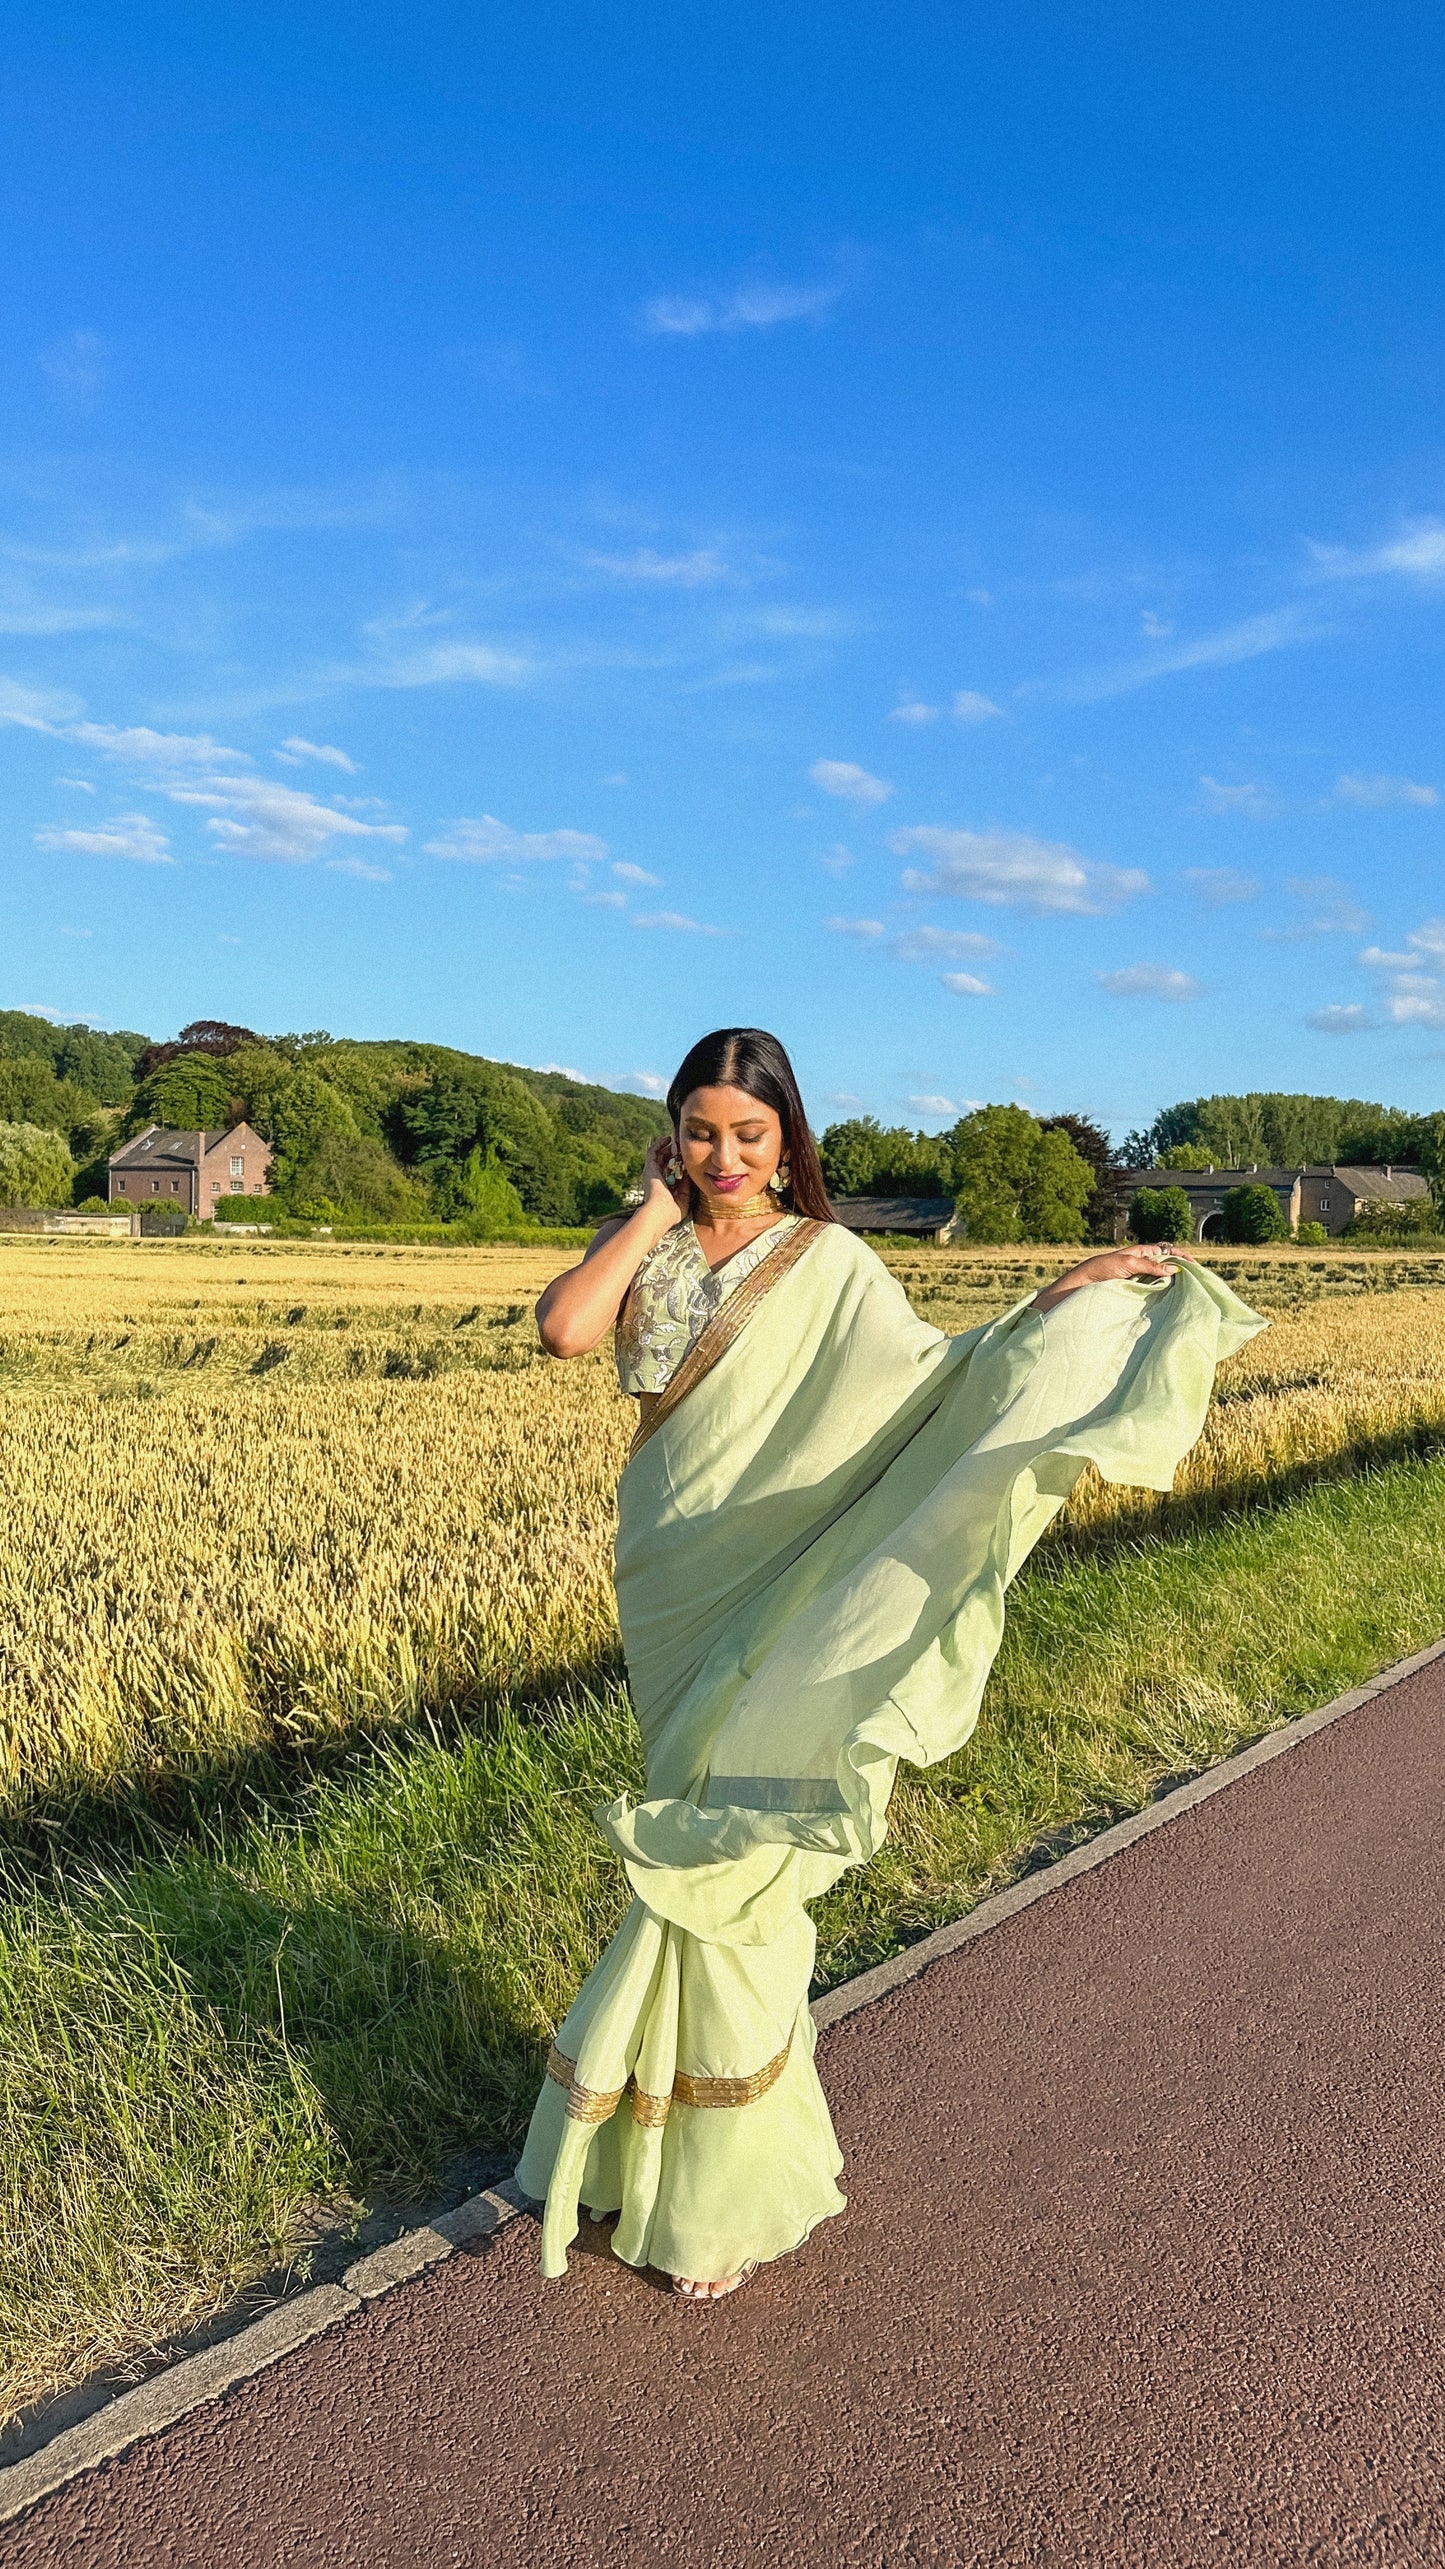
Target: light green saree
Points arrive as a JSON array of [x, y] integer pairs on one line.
[[817, 1526]]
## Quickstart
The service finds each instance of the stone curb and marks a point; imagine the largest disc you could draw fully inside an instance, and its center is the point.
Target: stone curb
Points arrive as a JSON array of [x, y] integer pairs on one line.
[[159, 2403]]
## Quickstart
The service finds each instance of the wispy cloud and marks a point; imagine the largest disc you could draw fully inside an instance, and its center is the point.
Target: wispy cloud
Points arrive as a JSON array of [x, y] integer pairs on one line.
[[1417, 553], [1216, 885], [35, 708], [1249, 802], [927, 945], [443, 664], [1150, 981], [254, 816], [970, 707], [650, 1082], [703, 569], [867, 931], [1280, 629], [1330, 910], [1377, 793], [913, 710], [489, 841], [135, 745], [130, 834], [295, 752], [1012, 870], [74, 368], [747, 307], [850, 784], [967, 985], [357, 866], [1349, 1019], [681, 925], [605, 900], [637, 874]]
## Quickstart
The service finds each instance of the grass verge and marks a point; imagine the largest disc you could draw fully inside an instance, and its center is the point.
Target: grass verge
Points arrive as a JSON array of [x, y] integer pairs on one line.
[[331, 1997]]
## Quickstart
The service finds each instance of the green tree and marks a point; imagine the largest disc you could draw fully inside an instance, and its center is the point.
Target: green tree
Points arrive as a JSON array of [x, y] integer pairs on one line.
[[1096, 1151], [864, 1157], [1160, 1213], [36, 1168], [348, 1175], [30, 1093], [191, 1094], [1388, 1226], [489, 1206], [478, 1106], [1013, 1181], [1253, 1214]]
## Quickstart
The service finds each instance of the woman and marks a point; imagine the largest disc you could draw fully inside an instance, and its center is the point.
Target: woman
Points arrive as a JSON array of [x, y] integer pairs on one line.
[[823, 1505]]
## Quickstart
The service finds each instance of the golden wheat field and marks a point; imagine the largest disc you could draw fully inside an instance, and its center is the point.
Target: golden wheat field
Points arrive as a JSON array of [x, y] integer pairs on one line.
[[260, 1495]]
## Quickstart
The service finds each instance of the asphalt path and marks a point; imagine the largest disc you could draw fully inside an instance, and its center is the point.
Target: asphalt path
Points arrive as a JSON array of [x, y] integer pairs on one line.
[[1144, 2263]]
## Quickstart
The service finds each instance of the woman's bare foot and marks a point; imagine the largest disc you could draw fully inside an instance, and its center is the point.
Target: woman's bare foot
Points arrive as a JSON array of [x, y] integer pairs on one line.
[[691, 2290]]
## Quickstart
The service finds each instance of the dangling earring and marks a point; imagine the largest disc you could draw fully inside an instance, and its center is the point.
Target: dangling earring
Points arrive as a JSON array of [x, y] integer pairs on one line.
[[673, 1171], [781, 1178]]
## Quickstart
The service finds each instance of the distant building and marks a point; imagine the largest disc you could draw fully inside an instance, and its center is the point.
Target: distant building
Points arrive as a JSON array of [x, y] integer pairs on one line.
[[191, 1170], [1332, 1196], [914, 1217]]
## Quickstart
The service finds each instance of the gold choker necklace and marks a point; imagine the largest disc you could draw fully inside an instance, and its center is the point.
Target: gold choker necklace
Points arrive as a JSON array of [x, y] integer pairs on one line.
[[753, 1211]]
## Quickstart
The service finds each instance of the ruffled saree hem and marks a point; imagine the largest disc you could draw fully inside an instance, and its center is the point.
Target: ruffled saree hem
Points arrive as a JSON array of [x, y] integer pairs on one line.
[[813, 1553]]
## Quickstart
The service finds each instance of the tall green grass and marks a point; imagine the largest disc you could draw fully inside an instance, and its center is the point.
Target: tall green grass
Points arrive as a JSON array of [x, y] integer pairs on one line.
[[324, 1993]]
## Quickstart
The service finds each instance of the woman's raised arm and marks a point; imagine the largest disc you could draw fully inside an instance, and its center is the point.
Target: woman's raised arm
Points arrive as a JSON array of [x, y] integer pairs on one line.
[[1132, 1265], [579, 1308]]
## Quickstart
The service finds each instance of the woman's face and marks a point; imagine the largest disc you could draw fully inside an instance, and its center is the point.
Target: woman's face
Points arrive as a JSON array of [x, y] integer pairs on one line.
[[729, 1143]]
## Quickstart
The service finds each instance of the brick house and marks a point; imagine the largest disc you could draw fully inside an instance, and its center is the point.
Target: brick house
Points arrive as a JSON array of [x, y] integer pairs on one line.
[[190, 1170], [1328, 1195]]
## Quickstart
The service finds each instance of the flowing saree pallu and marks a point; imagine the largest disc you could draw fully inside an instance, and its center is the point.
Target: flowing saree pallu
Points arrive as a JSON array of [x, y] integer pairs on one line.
[[815, 1537]]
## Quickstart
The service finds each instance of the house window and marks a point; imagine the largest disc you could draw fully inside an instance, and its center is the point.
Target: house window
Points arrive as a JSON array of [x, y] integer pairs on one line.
[[155, 1186], [238, 1168]]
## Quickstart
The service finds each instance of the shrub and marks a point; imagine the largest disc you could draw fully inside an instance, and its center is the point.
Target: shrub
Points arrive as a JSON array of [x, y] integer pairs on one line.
[[1312, 1235], [1160, 1213], [1253, 1214], [36, 1168], [1391, 1226]]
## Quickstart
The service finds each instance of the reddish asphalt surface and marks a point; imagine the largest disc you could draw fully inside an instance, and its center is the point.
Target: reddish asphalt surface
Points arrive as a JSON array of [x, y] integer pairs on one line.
[[1143, 2264]]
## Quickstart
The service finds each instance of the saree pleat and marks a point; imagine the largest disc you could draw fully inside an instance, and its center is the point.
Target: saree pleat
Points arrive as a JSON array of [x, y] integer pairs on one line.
[[813, 1551]]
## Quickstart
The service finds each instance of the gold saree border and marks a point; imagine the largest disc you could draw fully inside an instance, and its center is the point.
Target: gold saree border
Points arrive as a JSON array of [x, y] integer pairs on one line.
[[715, 1339], [599, 2104]]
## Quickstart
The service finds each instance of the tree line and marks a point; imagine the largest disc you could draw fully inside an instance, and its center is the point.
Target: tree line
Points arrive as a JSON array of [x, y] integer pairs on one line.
[[407, 1133]]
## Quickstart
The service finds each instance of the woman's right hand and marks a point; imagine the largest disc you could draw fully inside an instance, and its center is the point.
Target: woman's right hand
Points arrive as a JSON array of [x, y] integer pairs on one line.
[[665, 1202]]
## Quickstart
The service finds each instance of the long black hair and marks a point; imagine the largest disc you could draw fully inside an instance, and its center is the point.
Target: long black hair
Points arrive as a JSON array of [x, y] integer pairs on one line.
[[745, 1057]]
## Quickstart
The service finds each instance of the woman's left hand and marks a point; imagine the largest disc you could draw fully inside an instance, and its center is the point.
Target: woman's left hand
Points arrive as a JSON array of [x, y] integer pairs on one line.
[[1144, 1263]]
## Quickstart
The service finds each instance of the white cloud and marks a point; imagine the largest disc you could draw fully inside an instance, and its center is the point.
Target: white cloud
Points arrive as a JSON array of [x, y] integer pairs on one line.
[[1278, 630], [616, 778], [1154, 627], [1414, 978], [294, 751], [1416, 554], [492, 842], [979, 597], [970, 707], [130, 834], [636, 874], [62, 1016], [1251, 802], [76, 784], [1352, 1020], [1215, 885], [850, 784], [134, 745], [866, 930], [927, 945], [1375, 793], [443, 664], [675, 920], [254, 816], [1150, 981], [752, 307], [914, 711], [934, 1105], [34, 708], [967, 985], [703, 569], [1012, 870], [356, 865], [651, 1083], [605, 900], [837, 860]]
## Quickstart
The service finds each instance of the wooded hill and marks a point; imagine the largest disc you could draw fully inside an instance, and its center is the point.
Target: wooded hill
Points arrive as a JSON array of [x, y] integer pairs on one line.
[[388, 1131]]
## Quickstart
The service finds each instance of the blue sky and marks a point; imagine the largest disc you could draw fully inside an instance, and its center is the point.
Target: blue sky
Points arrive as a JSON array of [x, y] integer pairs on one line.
[[554, 530]]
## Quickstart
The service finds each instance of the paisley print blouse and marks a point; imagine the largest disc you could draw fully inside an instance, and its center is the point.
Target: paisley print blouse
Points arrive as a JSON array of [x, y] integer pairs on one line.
[[674, 1295]]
